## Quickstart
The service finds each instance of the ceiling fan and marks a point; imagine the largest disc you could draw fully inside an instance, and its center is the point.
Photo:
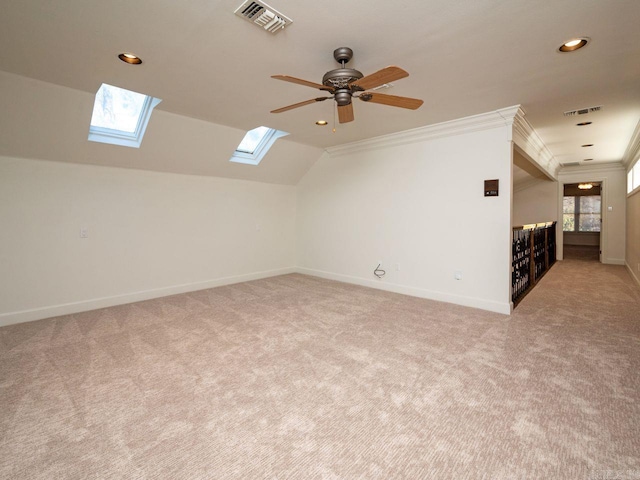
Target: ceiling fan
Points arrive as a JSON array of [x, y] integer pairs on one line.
[[346, 83]]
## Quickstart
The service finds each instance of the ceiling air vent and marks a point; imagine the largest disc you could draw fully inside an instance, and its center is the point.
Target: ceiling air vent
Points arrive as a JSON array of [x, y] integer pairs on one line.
[[582, 111], [263, 15], [571, 164]]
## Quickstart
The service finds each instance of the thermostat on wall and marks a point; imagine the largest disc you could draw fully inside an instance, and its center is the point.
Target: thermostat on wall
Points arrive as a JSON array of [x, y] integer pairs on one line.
[[491, 188]]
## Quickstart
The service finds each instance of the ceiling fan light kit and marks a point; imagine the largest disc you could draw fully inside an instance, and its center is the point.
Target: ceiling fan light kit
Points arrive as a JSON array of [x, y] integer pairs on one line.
[[344, 84]]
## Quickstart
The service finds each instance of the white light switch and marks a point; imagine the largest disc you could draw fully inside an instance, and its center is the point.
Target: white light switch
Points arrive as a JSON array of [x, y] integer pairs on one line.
[[610, 209], [458, 275], [84, 232]]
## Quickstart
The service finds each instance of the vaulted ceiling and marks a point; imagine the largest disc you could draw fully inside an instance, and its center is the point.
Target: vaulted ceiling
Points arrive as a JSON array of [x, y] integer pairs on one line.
[[464, 58]]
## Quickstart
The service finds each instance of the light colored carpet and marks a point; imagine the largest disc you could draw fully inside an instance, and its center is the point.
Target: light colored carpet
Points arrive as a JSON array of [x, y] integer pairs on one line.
[[296, 377]]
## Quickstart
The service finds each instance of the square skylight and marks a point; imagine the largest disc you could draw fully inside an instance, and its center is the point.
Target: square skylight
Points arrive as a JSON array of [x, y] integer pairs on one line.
[[255, 144], [120, 116]]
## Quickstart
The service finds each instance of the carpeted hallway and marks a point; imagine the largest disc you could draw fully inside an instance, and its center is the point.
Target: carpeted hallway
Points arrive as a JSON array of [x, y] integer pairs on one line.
[[296, 377]]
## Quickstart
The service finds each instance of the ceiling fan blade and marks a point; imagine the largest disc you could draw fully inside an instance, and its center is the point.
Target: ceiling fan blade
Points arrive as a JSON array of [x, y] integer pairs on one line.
[[392, 100], [299, 81], [386, 75], [345, 113], [301, 104]]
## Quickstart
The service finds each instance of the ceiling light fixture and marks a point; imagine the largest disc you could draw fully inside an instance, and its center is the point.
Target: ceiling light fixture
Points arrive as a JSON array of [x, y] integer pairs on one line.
[[573, 44], [321, 122], [585, 186], [588, 145], [582, 124], [130, 58]]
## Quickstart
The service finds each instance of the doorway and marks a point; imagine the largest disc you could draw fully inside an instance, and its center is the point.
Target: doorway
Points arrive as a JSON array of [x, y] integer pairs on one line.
[[582, 221]]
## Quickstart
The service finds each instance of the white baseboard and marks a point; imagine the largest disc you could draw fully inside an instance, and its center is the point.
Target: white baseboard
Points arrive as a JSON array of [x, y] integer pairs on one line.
[[93, 304], [614, 261], [497, 307], [632, 273]]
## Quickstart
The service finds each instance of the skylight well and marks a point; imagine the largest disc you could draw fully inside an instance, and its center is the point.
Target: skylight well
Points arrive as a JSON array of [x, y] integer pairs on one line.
[[120, 116], [255, 144]]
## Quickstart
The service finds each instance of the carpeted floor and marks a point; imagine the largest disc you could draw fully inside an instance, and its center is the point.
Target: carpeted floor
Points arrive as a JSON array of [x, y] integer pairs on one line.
[[295, 377]]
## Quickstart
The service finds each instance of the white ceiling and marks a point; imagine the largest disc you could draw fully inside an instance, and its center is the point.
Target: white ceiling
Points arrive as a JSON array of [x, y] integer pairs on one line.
[[464, 58]]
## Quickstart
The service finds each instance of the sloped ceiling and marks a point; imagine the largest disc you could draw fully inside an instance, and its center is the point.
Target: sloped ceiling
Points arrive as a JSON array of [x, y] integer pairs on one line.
[[464, 58]]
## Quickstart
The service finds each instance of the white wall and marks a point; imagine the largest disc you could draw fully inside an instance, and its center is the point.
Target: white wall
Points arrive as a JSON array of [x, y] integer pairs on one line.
[[537, 203], [581, 238], [419, 206], [633, 235], [149, 234], [632, 161], [613, 180]]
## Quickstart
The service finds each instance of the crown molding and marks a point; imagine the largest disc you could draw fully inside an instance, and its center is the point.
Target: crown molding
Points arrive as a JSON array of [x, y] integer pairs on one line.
[[632, 152], [525, 137], [484, 121], [599, 168]]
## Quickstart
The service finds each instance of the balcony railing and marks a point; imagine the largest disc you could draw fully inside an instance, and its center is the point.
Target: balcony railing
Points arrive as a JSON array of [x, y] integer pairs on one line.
[[533, 253]]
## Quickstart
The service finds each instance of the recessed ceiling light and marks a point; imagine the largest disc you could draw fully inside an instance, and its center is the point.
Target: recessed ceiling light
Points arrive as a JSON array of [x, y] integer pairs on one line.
[[573, 44], [582, 124], [321, 122], [130, 58], [588, 145]]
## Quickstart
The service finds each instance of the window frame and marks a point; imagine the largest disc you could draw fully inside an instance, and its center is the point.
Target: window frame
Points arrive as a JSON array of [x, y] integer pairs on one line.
[[633, 178], [254, 158]]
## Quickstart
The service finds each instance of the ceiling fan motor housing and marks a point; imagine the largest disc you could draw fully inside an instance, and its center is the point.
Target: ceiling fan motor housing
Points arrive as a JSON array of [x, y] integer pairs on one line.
[[341, 77]]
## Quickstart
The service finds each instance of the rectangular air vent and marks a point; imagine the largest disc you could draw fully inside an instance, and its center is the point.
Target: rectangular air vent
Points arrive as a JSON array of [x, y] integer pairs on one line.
[[582, 111], [263, 15], [571, 164]]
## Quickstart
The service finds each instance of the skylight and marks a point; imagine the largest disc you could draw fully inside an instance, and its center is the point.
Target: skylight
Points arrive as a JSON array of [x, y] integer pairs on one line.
[[255, 144], [251, 140], [120, 116]]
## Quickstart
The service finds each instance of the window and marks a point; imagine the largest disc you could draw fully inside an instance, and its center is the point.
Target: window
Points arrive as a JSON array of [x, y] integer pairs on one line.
[[569, 214], [581, 213], [255, 144], [252, 139], [633, 178], [120, 116]]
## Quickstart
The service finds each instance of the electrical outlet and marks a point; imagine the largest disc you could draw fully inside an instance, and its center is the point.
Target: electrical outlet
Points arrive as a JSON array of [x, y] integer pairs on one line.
[[84, 233]]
